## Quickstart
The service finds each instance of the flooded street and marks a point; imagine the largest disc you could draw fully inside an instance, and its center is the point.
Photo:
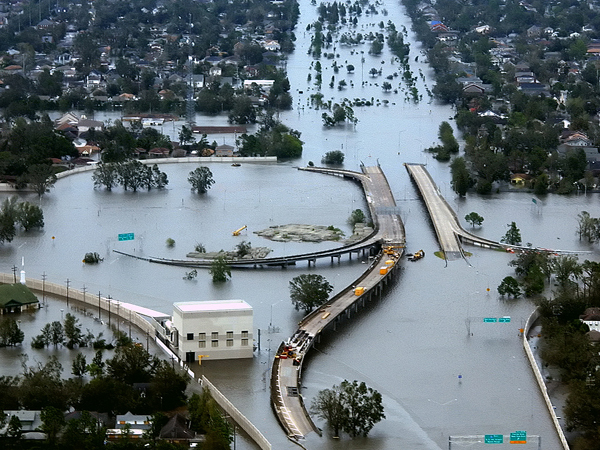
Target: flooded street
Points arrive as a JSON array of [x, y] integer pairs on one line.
[[411, 346]]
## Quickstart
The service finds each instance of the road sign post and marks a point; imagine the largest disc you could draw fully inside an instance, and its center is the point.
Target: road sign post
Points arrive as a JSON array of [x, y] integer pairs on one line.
[[494, 439], [518, 437]]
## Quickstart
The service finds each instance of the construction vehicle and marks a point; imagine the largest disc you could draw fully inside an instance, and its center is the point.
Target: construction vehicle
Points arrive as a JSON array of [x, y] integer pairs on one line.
[[392, 249], [416, 256], [239, 230]]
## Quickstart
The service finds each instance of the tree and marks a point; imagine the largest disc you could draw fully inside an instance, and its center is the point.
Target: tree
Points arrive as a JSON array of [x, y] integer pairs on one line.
[[15, 427], [461, 179], [333, 157], [57, 333], [8, 214], [41, 177], [220, 270], [42, 386], [386, 86], [186, 135], [10, 333], [72, 330], [474, 219], [79, 366], [308, 291], [106, 175], [53, 422], [132, 364], [96, 367], [328, 406], [509, 286], [352, 406], [350, 68], [243, 248], [357, 216], [201, 179], [29, 216], [512, 236]]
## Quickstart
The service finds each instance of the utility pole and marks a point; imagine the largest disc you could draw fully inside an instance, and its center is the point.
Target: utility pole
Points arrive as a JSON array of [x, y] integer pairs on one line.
[[84, 289], [68, 283], [14, 269], [99, 309], [44, 288]]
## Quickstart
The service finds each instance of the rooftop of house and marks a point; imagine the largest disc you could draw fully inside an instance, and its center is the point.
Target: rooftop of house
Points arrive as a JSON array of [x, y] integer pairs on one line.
[[16, 294]]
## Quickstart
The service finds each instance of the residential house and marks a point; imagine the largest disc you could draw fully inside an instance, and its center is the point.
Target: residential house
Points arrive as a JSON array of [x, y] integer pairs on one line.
[[224, 150], [177, 431], [133, 424], [591, 317], [575, 140], [30, 422], [15, 298]]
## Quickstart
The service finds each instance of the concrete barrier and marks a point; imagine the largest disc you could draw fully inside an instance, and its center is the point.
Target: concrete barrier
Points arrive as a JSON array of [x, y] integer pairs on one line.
[[115, 310], [236, 415], [540, 380]]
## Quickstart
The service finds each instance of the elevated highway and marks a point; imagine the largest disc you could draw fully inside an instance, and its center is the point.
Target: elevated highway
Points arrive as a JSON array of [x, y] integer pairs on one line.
[[287, 367], [447, 227], [382, 207]]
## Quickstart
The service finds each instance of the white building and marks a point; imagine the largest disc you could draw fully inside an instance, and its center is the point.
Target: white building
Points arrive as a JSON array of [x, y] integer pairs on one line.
[[217, 329]]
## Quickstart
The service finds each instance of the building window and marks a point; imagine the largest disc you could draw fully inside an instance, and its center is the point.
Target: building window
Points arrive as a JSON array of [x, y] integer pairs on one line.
[[229, 342], [244, 334], [215, 342], [215, 335], [244, 342], [202, 344], [230, 335], [190, 336], [202, 336]]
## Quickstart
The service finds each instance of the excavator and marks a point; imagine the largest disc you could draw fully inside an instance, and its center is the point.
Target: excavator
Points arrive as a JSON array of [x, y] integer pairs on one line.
[[239, 230]]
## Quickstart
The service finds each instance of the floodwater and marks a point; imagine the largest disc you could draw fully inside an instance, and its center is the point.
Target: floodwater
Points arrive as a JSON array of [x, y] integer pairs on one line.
[[411, 346]]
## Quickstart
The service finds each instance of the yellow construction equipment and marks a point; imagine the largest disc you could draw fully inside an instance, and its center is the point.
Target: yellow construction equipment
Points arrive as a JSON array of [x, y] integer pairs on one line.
[[239, 230]]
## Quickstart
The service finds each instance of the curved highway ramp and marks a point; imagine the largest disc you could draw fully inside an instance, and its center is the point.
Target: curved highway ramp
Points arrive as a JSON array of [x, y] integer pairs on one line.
[[449, 232], [286, 398]]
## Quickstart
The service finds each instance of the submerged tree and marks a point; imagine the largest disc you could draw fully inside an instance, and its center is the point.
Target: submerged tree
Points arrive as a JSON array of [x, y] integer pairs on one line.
[[201, 179], [220, 270], [512, 236], [309, 291], [352, 407]]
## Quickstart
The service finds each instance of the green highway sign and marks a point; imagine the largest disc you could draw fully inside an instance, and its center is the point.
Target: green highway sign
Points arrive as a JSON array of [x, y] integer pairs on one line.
[[490, 320], [126, 237], [504, 319], [494, 439], [518, 437]]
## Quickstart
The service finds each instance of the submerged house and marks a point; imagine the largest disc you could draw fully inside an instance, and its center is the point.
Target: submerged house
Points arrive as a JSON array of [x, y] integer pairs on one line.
[[16, 298]]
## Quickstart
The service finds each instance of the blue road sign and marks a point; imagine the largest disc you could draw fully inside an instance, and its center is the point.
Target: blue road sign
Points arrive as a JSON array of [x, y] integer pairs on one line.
[[126, 237]]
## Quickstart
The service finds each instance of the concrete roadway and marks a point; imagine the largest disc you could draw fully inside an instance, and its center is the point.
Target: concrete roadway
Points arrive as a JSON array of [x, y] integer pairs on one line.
[[446, 224], [285, 382]]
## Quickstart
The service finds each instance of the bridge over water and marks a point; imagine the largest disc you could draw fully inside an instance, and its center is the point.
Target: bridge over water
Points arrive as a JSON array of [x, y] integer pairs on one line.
[[382, 207], [287, 367], [447, 227]]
